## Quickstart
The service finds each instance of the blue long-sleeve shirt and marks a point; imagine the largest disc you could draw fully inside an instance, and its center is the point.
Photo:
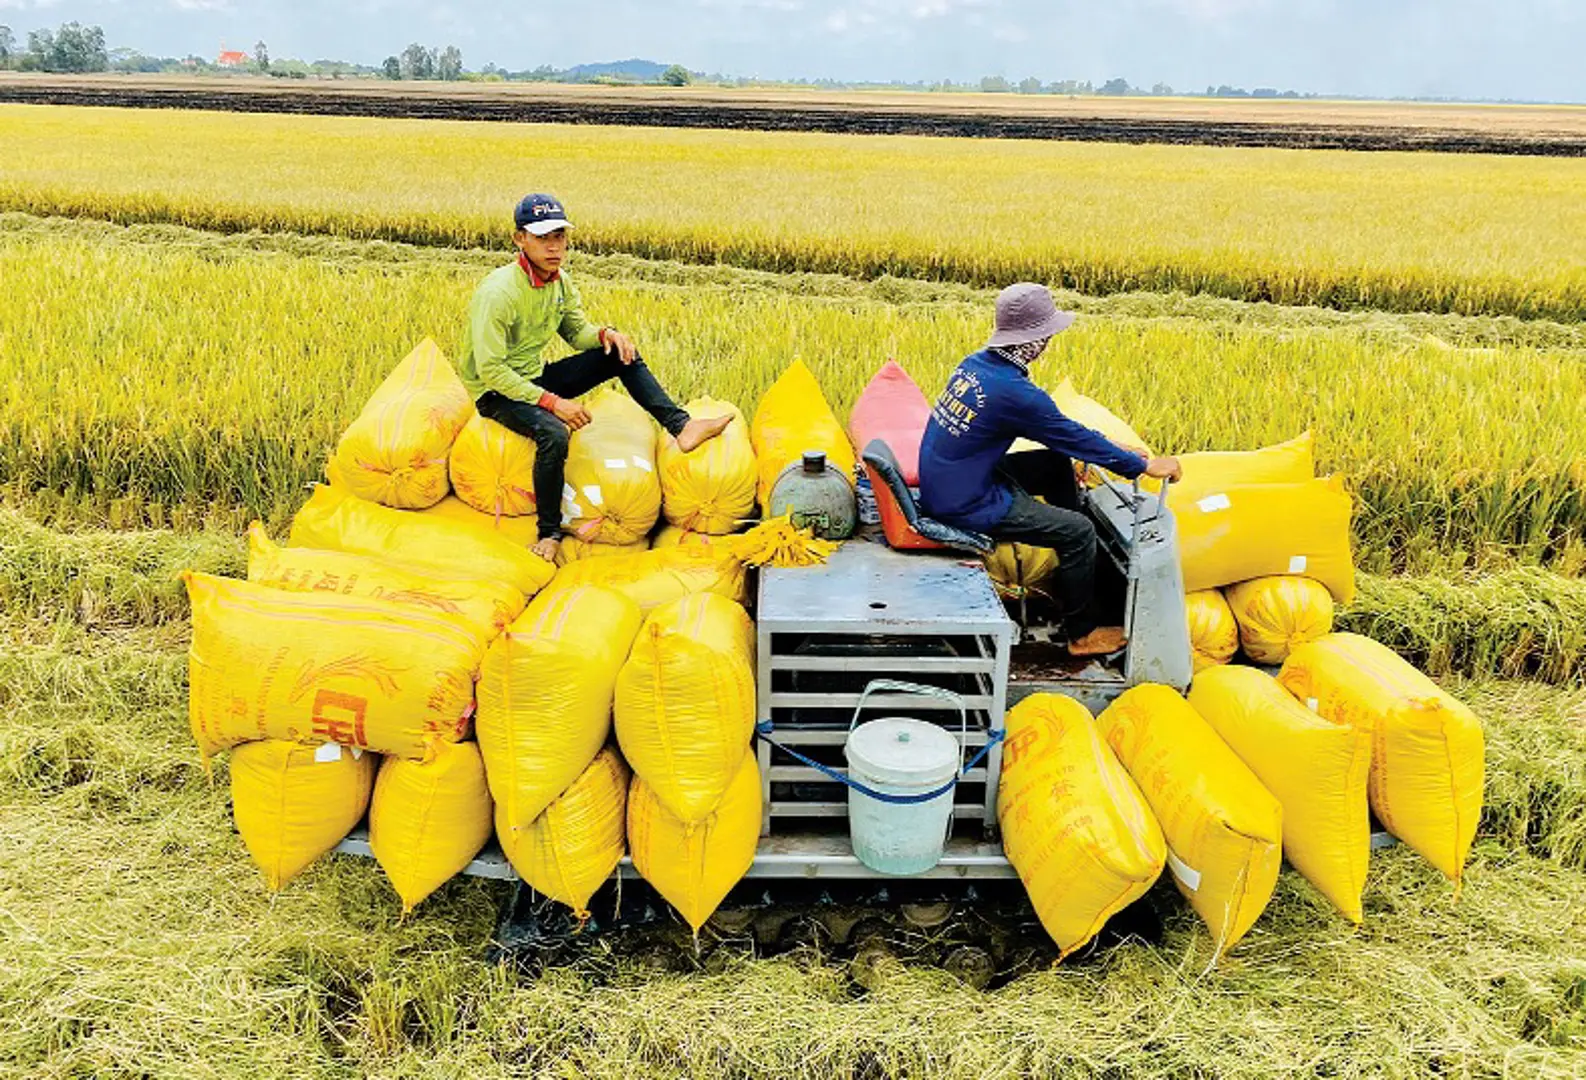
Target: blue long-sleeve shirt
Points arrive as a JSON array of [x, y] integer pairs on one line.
[[989, 402]]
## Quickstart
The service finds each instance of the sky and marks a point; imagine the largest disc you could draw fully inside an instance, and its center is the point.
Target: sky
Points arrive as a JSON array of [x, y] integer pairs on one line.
[[1517, 49]]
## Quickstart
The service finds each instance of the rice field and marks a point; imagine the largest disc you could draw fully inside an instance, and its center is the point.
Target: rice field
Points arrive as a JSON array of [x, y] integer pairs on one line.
[[1473, 234], [1465, 439], [181, 344]]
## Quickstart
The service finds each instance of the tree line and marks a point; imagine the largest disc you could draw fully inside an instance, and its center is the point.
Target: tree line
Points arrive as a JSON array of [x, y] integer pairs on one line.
[[74, 47], [418, 62]]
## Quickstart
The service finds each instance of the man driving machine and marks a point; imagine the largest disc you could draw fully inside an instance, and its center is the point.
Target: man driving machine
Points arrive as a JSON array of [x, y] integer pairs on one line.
[[969, 480]]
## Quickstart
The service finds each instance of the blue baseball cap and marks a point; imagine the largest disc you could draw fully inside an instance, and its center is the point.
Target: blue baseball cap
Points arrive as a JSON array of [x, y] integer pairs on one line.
[[540, 214]]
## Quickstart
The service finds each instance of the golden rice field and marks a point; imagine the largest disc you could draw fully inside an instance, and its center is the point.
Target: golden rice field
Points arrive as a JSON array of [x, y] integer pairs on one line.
[[1411, 232], [163, 375], [180, 348]]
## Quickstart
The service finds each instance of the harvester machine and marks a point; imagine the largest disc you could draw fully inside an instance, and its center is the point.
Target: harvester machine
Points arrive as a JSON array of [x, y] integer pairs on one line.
[[902, 620]]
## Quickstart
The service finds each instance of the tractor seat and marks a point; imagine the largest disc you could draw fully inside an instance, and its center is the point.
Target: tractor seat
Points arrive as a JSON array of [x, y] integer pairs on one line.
[[905, 528]]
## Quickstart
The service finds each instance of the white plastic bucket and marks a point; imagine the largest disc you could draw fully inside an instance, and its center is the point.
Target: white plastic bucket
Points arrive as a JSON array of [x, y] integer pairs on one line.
[[898, 755]]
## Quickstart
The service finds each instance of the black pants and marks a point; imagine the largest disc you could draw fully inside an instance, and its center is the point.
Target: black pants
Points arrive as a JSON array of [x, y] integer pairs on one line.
[[568, 378], [1058, 524]]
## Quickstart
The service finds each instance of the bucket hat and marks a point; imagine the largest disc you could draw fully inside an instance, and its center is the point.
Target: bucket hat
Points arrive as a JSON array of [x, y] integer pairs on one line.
[[1025, 313]]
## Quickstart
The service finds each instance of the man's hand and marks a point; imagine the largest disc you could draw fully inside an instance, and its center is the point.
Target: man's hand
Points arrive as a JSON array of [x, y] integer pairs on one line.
[[1165, 468], [616, 339], [570, 413]]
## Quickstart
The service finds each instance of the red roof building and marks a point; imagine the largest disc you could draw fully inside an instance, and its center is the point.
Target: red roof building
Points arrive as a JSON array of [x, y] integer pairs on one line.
[[229, 58]]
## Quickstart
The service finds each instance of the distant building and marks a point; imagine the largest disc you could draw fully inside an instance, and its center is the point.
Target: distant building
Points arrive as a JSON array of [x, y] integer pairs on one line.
[[232, 59]]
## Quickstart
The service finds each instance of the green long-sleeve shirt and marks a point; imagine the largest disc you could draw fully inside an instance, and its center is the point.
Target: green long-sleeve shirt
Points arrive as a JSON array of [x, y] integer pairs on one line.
[[509, 324]]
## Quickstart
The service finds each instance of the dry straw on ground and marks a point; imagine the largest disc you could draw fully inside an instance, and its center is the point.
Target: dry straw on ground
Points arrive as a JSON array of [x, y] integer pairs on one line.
[[138, 938]]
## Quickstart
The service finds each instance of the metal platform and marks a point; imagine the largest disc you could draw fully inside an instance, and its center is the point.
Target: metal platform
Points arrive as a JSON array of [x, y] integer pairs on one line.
[[867, 587], [792, 856], [824, 632]]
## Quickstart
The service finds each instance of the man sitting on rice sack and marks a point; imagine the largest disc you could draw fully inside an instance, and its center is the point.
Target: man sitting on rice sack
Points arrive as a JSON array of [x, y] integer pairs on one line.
[[969, 480], [513, 315]]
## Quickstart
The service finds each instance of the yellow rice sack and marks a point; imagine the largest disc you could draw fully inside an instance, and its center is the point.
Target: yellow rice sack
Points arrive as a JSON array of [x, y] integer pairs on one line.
[[1074, 824], [1277, 614], [793, 417], [1208, 472], [575, 844], [1021, 569], [571, 549], [545, 697], [653, 578], [1427, 754], [428, 820], [395, 452], [1224, 829], [1213, 634], [685, 701], [335, 520], [293, 802], [492, 469], [316, 667], [712, 489], [612, 495], [1268, 529], [1317, 769], [669, 536], [695, 865], [488, 605], [523, 532]]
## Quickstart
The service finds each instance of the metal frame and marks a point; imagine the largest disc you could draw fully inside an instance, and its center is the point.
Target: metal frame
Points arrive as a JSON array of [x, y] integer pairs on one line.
[[794, 856], [867, 589], [1141, 536]]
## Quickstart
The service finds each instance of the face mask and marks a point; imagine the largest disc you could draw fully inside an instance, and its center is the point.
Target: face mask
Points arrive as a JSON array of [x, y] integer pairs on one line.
[[1024, 354]]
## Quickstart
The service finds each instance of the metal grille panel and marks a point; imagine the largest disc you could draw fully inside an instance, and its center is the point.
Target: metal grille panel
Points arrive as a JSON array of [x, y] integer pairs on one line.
[[825, 632]]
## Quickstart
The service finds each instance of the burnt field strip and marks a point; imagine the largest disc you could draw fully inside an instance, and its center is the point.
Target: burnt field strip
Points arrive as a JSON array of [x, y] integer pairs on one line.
[[1394, 129]]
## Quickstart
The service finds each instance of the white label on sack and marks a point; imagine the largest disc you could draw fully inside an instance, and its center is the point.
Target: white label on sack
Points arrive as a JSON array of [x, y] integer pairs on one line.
[[1297, 564], [643, 464], [616, 463], [329, 752], [1313, 705], [1183, 871], [592, 493], [568, 492], [356, 753], [1212, 503], [571, 513]]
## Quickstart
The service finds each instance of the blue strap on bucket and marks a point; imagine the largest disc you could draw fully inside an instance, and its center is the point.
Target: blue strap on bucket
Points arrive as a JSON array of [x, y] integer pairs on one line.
[[993, 737]]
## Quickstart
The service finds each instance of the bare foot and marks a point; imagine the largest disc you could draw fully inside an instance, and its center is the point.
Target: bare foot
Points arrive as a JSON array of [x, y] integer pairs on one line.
[[701, 430], [1099, 642], [546, 549]]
